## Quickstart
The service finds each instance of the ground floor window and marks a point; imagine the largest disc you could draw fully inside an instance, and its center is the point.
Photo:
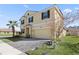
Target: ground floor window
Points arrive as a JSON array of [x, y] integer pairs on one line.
[[22, 30]]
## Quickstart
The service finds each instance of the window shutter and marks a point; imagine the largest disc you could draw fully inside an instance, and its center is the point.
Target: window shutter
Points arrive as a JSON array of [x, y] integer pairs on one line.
[[48, 14], [42, 16]]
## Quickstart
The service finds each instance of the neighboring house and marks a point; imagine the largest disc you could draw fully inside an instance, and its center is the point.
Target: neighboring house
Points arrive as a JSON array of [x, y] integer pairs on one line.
[[72, 31], [6, 31], [47, 23]]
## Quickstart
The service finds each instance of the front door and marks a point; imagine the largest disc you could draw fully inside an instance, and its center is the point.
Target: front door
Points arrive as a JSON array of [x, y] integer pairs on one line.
[[27, 30]]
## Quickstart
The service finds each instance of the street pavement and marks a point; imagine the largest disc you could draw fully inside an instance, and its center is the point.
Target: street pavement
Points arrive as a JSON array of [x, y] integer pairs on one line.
[[6, 49]]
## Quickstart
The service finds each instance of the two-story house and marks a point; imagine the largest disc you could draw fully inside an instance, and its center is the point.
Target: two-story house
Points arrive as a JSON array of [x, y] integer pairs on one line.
[[47, 23]]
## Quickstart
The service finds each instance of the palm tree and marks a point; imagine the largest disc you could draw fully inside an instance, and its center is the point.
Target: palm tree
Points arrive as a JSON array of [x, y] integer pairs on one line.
[[12, 25]]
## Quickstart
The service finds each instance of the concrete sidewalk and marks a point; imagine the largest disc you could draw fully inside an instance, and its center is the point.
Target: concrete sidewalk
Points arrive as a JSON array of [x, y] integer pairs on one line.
[[6, 49]]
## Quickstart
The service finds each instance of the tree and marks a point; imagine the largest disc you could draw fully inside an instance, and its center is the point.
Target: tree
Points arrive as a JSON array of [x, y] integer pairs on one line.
[[71, 17], [12, 25]]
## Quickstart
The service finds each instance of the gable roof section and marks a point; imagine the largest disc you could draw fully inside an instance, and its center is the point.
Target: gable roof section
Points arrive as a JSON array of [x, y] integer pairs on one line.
[[54, 6], [26, 13], [59, 11]]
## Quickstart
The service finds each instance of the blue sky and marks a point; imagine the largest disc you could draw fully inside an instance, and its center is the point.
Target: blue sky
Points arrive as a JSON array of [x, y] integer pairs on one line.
[[15, 11]]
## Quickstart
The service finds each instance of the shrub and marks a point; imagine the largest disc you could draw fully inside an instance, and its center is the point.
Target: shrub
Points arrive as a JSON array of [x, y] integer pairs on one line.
[[27, 36], [48, 43]]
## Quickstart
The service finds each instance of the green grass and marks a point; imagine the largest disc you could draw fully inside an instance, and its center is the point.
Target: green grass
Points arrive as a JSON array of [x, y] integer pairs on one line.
[[6, 40], [69, 46], [71, 39], [5, 34]]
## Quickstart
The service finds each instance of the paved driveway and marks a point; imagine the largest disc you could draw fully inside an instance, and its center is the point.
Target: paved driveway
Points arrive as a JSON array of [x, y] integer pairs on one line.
[[26, 44]]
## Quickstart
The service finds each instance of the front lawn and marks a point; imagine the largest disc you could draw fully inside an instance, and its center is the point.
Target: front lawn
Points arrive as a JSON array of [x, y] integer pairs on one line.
[[69, 46], [5, 34]]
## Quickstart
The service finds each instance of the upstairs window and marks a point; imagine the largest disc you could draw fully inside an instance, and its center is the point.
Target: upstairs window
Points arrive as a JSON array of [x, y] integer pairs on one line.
[[28, 14], [30, 19], [67, 30], [22, 22], [46, 14]]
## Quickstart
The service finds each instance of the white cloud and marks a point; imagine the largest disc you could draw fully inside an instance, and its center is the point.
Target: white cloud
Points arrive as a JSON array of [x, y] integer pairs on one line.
[[26, 6], [76, 8], [67, 10]]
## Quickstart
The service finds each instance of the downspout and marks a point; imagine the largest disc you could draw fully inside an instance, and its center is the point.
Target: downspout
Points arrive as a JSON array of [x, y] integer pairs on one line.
[[31, 31]]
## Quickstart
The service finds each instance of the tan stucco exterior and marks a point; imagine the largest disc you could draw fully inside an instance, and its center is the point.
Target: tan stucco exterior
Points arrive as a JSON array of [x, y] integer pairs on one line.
[[49, 28]]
